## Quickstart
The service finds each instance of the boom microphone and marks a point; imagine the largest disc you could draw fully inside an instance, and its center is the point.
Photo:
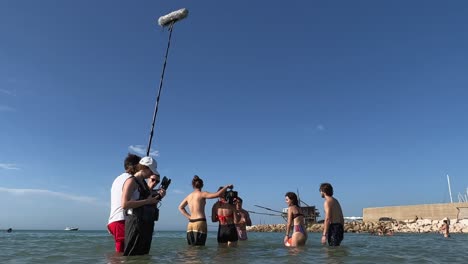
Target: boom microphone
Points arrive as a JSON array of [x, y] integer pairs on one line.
[[166, 20], [173, 17]]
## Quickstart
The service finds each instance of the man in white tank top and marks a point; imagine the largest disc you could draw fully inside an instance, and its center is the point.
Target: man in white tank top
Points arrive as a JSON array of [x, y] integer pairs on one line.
[[116, 223]]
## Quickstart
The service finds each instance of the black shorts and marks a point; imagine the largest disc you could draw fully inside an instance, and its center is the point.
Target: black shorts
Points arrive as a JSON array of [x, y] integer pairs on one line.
[[335, 234], [227, 233]]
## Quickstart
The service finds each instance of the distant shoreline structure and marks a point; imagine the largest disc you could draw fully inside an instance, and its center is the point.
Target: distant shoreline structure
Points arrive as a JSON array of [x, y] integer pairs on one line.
[[376, 227], [457, 211]]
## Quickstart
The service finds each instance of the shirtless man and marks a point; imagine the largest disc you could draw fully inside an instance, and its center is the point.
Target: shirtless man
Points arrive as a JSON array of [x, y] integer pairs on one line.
[[197, 227], [333, 225], [244, 220]]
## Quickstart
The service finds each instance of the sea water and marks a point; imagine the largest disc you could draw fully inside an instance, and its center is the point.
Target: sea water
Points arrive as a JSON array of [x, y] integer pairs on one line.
[[22, 246]]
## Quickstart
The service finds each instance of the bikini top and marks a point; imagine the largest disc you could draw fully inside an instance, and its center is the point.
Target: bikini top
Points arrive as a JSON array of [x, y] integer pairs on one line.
[[223, 218], [296, 215]]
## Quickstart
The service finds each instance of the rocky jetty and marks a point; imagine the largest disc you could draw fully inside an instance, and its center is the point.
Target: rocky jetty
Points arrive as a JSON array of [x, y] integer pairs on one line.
[[379, 228]]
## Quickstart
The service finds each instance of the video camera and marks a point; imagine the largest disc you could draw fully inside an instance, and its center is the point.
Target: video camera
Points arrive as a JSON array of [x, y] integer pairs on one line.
[[164, 185], [230, 196], [154, 193]]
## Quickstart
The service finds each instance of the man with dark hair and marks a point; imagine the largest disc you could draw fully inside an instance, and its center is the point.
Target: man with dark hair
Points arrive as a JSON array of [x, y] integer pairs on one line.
[[333, 225], [116, 224], [244, 220]]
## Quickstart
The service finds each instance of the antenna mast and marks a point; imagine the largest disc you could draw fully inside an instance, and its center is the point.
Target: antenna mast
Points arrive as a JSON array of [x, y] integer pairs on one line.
[[450, 190]]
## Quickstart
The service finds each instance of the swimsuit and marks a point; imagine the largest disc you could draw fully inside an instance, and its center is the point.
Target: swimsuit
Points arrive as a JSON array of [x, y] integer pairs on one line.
[[296, 215], [227, 233], [223, 218], [196, 232], [335, 234], [300, 229]]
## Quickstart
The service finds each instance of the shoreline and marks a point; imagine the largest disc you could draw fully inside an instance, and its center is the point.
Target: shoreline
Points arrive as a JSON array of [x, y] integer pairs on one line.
[[381, 228]]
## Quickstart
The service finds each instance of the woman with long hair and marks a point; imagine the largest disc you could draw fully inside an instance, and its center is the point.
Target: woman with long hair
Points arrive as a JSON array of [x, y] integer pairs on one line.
[[296, 220]]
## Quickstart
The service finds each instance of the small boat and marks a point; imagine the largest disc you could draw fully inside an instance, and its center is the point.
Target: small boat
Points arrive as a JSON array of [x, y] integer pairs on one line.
[[71, 228]]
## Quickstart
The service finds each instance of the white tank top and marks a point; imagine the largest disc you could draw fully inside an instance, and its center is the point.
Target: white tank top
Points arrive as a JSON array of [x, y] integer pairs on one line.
[[116, 211]]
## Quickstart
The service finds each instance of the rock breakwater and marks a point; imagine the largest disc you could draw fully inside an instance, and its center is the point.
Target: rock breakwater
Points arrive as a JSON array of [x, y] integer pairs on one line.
[[414, 226]]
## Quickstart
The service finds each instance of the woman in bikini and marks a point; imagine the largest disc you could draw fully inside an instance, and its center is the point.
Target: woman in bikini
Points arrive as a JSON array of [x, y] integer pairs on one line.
[[296, 221], [196, 201], [226, 214]]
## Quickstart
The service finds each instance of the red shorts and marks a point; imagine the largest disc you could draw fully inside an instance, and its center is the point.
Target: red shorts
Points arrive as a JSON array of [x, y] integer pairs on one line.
[[117, 229]]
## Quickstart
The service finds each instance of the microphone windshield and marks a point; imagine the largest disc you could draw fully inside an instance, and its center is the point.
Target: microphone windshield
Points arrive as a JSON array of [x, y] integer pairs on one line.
[[173, 17]]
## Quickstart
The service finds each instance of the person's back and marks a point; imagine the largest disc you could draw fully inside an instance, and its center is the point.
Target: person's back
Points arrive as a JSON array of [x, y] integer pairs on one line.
[[296, 221], [197, 228], [226, 215], [196, 203], [116, 212], [336, 212], [116, 222], [333, 225]]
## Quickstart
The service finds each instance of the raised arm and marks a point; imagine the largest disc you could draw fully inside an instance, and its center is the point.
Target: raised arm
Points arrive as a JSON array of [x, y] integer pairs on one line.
[[208, 195]]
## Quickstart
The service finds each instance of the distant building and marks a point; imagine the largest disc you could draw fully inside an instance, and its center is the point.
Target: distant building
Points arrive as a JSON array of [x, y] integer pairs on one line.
[[421, 211], [310, 214]]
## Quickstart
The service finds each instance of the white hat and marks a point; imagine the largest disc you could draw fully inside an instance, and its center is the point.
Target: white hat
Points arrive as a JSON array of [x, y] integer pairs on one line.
[[150, 163]]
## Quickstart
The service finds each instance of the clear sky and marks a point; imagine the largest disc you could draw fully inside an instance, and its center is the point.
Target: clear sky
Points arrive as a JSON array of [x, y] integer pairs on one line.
[[271, 96]]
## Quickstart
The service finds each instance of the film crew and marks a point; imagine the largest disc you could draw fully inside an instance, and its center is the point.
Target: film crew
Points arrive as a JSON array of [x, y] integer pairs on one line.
[[197, 228], [116, 223], [244, 220], [140, 206], [296, 220], [224, 211]]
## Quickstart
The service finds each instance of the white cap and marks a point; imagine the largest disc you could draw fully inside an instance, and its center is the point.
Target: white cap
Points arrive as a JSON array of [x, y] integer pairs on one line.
[[150, 163]]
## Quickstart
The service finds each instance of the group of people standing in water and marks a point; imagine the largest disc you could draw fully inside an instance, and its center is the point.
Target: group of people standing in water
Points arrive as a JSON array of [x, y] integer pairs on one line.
[[232, 218], [134, 211]]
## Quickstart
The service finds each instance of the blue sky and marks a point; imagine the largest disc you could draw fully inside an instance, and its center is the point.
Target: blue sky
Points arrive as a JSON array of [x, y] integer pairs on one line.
[[367, 95]]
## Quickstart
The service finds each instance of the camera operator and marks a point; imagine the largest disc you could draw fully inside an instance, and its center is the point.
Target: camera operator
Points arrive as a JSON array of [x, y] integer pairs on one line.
[[224, 211], [140, 207]]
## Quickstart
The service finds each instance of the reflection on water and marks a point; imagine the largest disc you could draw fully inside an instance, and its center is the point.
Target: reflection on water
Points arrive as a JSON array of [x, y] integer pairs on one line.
[[335, 255], [171, 247]]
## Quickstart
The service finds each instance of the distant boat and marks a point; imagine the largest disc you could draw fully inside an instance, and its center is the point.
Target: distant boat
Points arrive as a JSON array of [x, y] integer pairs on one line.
[[71, 228], [9, 230]]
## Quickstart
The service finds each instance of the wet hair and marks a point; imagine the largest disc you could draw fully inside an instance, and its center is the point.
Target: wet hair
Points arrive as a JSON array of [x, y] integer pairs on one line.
[[293, 197], [239, 199], [131, 162], [220, 187], [326, 188], [197, 182]]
